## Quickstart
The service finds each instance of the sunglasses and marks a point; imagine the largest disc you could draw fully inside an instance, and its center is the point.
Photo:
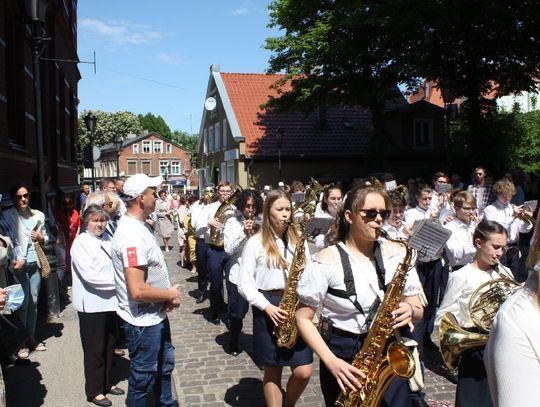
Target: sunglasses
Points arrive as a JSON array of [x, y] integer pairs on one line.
[[22, 196], [371, 214]]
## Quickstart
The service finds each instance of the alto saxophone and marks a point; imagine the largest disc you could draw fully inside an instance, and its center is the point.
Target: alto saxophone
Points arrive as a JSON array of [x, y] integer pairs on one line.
[[287, 332], [381, 357], [221, 215]]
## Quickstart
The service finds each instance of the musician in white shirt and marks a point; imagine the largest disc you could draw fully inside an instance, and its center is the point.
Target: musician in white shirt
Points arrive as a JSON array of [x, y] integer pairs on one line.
[[200, 227], [460, 249], [329, 208], [508, 215], [394, 225], [263, 275]]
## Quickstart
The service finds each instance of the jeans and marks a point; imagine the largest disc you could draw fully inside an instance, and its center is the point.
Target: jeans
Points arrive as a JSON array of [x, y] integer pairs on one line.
[[152, 361], [30, 280]]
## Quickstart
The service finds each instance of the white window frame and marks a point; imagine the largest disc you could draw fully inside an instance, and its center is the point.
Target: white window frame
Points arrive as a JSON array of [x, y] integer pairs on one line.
[[158, 147], [176, 167], [224, 134], [135, 148], [217, 136], [205, 141], [423, 141], [168, 148], [231, 171], [147, 145], [163, 164], [223, 172]]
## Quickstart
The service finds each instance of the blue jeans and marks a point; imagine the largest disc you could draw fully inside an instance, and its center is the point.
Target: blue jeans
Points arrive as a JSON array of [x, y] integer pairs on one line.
[[30, 280], [152, 361]]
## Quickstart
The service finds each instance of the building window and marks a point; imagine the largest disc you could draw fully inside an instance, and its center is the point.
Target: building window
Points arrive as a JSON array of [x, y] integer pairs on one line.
[[423, 134], [205, 141], [146, 167], [163, 167], [146, 149], [158, 146], [131, 167], [168, 148], [217, 136], [231, 173], [136, 148], [211, 140], [224, 133], [176, 168]]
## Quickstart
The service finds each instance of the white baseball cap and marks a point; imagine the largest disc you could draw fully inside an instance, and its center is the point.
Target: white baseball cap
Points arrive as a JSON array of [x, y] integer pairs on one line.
[[136, 184]]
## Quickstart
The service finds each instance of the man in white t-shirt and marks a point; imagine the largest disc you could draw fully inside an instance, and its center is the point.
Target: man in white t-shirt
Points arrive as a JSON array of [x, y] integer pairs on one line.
[[144, 295]]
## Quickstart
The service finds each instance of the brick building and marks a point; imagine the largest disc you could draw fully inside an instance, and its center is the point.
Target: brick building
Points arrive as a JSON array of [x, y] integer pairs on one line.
[[59, 81], [152, 154]]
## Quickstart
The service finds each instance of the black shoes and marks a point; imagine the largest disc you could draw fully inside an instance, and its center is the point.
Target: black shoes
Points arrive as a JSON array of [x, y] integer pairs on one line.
[[200, 298], [104, 402], [234, 349], [116, 391]]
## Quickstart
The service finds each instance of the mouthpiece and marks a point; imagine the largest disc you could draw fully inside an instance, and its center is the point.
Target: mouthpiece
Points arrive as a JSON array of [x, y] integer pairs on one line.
[[382, 233]]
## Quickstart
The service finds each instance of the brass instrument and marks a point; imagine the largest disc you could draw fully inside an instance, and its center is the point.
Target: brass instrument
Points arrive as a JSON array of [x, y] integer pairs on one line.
[[484, 303], [309, 203], [222, 214], [287, 332], [526, 218], [382, 357]]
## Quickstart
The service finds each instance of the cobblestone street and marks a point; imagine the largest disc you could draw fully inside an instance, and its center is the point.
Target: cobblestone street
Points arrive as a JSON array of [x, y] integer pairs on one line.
[[206, 375]]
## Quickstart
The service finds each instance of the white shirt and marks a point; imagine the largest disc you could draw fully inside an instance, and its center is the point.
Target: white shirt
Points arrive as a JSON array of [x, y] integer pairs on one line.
[[461, 284], [395, 233], [209, 213], [196, 212], [319, 276], [234, 239], [255, 275], [135, 246], [416, 213], [93, 274], [459, 247], [512, 355], [502, 214]]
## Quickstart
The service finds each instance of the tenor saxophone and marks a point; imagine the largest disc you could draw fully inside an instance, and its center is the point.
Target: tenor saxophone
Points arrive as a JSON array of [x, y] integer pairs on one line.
[[381, 356], [286, 332]]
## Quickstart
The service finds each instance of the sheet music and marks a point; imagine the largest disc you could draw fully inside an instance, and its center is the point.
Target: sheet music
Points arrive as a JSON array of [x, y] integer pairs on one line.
[[298, 197], [527, 204], [428, 238], [317, 226]]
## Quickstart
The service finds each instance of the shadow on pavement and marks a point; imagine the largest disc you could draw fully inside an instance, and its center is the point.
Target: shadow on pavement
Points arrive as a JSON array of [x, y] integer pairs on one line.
[[248, 392], [434, 362], [23, 384]]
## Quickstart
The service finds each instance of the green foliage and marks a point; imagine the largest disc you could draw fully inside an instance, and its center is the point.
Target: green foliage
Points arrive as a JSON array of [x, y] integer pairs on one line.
[[524, 151], [155, 124], [189, 141]]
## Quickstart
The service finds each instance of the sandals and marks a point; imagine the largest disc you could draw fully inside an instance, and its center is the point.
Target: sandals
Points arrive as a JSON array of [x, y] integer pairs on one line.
[[23, 353]]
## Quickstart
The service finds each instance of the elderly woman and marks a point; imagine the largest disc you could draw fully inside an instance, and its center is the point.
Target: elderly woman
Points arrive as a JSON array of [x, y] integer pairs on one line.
[[164, 218], [95, 300], [28, 225]]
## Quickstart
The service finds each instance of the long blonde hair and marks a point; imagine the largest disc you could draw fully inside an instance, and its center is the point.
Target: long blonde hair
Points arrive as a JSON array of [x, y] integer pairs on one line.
[[533, 262], [274, 258]]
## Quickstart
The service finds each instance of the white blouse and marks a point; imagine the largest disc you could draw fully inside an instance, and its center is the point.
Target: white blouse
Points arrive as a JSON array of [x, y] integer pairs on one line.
[[255, 275], [234, 239], [503, 214], [319, 276], [461, 284], [512, 355], [459, 247]]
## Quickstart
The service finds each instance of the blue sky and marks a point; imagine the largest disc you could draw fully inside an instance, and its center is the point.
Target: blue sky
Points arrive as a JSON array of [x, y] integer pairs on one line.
[[172, 42]]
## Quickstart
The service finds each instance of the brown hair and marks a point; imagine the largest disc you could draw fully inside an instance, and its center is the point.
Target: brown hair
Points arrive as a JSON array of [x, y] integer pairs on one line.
[[354, 202], [464, 197], [273, 254], [326, 194], [504, 186], [440, 174]]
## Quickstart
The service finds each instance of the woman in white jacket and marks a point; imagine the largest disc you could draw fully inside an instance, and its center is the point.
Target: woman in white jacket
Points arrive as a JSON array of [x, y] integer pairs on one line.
[[28, 226], [94, 297]]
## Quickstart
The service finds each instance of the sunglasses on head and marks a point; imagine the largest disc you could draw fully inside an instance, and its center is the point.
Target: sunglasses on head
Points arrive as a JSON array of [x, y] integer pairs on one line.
[[371, 214]]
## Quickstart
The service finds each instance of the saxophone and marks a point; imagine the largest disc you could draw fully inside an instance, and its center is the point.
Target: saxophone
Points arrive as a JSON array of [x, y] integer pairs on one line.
[[381, 357], [222, 215], [286, 332]]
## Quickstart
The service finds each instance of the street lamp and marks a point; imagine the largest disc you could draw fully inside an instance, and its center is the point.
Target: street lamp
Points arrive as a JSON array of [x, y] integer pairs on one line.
[[448, 92], [90, 121], [279, 136], [118, 147], [36, 13]]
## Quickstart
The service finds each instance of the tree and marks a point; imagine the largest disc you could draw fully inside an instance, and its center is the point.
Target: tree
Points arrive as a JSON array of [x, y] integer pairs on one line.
[[155, 124], [189, 141]]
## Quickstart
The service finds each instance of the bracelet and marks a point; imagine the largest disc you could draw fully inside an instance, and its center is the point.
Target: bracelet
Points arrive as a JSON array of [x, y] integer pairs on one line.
[[412, 310]]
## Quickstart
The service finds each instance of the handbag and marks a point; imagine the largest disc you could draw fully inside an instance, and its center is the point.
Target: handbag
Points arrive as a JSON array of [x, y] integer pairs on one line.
[[45, 266], [12, 336]]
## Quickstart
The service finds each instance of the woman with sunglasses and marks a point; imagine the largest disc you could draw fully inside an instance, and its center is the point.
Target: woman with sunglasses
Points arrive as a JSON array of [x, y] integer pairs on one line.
[[355, 251], [28, 225], [261, 281], [489, 239]]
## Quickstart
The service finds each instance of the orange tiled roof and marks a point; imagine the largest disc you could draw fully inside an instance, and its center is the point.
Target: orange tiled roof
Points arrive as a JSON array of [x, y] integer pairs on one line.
[[347, 132]]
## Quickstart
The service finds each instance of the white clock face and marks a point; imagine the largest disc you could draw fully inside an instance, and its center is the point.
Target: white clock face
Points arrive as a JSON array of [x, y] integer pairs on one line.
[[210, 103]]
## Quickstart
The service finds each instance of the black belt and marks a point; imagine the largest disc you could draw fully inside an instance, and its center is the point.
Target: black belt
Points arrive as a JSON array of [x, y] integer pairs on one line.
[[347, 334], [273, 292], [217, 248], [454, 268]]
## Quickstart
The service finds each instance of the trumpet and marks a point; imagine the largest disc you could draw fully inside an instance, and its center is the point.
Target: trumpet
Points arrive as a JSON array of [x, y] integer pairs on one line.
[[525, 218]]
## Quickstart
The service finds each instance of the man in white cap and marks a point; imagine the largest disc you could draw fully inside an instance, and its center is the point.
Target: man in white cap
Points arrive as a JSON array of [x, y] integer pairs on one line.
[[145, 295]]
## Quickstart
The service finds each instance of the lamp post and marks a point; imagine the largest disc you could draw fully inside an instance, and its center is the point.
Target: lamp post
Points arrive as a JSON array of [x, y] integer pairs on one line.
[[118, 147], [90, 121], [448, 92], [36, 13], [279, 136]]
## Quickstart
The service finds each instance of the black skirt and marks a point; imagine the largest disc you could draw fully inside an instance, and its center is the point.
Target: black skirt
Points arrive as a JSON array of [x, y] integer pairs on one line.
[[266, 352], [473, 388]]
